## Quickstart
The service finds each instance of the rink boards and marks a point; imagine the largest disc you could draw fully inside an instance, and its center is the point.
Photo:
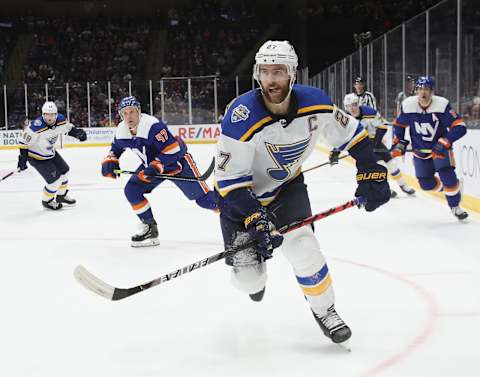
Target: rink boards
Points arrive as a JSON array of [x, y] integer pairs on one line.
[[467, 152]]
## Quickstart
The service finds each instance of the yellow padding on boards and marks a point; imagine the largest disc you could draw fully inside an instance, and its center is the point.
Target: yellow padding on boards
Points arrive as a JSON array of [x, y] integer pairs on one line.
[[468, 201]]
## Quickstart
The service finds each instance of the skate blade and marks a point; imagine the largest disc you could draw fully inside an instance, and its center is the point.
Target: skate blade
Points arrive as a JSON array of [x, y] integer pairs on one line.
[[345, 346], [146, 243]]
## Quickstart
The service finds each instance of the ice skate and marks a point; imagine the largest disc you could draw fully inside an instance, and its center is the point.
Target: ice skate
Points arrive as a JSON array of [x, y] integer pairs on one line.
[[407, 190], [257, 297], [65, 199], [148, 236], [52, 204], [459, 213], [334, 327]]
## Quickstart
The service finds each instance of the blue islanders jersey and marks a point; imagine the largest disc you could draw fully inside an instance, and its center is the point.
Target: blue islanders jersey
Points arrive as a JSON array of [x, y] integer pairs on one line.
[[263, 151], [40, 138], [429, 124], [152, 141]]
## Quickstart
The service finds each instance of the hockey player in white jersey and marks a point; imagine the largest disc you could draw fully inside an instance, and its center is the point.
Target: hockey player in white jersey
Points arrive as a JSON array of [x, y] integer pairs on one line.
[[37, 146], [267, 134], [376, 127]]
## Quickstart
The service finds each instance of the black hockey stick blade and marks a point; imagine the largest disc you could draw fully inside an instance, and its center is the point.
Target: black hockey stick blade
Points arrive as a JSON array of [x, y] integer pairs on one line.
[[202, 177], [98, 286]]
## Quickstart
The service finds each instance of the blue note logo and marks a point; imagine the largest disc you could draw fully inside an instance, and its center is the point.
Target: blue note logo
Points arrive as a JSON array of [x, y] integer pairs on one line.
[[285, 157], [239, 113]]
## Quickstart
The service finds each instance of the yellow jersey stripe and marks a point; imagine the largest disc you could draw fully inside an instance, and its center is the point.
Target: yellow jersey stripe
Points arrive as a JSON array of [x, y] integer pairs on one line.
[[255, 127], [362, 135], [313, 108]]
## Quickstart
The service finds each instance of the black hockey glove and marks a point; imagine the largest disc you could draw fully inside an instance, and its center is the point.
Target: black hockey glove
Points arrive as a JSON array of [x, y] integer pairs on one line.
[[22, 160], [373, 186], [263, 231], [333, 156], [78, 133]]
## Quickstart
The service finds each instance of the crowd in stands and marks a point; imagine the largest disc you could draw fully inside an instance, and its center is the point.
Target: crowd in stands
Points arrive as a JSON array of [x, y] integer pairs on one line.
[[206, 38]]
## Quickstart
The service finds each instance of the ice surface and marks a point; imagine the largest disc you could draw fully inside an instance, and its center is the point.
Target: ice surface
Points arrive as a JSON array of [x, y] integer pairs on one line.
[[407, 280]]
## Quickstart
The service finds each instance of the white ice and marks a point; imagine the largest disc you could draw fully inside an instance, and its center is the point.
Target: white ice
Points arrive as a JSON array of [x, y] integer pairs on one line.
[[407, 281]]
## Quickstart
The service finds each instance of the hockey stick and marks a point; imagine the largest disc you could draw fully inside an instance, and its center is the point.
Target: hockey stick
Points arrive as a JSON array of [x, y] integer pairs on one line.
[[325, 163], [91, 282], [381, 150], [202, 177], [8, 175]]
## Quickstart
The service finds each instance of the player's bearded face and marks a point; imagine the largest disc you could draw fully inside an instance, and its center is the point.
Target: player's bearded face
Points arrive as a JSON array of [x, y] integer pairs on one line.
[[275, 82], [424, 95], [131, 117], [49, 118]]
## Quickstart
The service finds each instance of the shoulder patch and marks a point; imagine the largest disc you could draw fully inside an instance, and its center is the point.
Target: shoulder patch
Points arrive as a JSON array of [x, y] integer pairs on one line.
[[37, 122], [239, 113]]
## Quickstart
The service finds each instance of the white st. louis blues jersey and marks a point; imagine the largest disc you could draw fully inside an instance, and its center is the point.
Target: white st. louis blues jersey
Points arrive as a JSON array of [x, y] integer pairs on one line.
[[371, 120], [39, 138], [259, 150]]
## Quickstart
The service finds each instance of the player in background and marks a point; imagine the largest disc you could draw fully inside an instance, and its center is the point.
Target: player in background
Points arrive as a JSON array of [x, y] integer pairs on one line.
[[376, 127], [409, 91], [37, 146], [160, 153], [434, 127], [365, 98], [267, 134]]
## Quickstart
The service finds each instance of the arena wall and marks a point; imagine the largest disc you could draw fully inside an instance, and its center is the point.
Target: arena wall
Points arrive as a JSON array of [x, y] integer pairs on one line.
[[467, 153]]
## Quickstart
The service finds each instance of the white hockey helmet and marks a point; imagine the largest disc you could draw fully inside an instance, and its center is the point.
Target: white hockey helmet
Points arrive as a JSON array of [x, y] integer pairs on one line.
[[276, 52], [49, 107], [349, 100]]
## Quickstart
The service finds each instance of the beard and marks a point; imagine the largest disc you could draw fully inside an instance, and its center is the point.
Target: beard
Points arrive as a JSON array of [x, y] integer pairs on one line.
[[275, 93]]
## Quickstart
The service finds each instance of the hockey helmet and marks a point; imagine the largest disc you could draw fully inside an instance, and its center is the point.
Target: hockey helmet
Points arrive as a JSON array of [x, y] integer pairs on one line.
[[276, 52], [49, 107], [425, 82], [126, 102]]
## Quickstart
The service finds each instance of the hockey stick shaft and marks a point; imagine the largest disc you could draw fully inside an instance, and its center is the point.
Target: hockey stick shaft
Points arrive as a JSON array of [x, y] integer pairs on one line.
[[8, 175], [324, 164], [422, 150], [202, 177], [91, 282]]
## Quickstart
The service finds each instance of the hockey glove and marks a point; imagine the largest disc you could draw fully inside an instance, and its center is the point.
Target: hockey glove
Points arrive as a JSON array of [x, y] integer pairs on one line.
[[263, 232], [22, 160], [440, 150], [109, 165], [333, 156], [155, 167], [399, 148], [373, 186], [78, 133]]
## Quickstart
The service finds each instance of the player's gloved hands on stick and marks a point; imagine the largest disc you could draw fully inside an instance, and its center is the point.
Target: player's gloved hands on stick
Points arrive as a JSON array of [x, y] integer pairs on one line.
[[399, 148], [155, 167], [440, 150], [109, 165], [263, 232], [373, 186], [333, 156], [78, 133]]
